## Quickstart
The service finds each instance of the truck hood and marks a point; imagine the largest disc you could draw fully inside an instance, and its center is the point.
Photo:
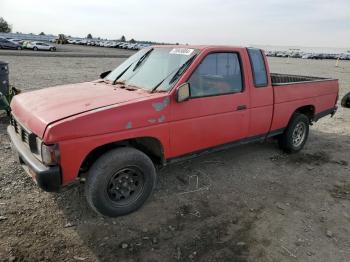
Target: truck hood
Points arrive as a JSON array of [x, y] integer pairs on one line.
[[37, 109]]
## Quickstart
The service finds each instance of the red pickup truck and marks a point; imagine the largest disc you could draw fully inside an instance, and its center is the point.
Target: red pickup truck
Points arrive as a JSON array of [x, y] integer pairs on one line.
[[163, 104]]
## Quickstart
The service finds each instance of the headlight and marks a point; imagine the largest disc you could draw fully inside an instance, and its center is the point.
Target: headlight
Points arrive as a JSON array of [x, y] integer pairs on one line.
[[50, 155]]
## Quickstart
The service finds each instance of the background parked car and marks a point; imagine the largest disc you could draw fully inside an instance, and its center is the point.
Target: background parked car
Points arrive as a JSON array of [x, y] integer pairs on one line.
[[307, 56], [344, 57], [14, 40], [123, 45], [40, 46], [7, 44]]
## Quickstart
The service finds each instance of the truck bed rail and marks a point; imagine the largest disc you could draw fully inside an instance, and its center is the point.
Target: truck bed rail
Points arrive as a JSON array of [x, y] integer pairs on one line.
[[284, 79]]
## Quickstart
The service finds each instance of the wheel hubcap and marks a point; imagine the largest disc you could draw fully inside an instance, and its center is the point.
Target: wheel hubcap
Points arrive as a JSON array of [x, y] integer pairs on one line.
[[125, 185], [299, 134]]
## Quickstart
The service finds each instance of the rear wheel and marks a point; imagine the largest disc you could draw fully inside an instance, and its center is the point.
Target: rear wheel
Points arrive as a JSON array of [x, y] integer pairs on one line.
[[120, 182], [294, 137], [35, 48]]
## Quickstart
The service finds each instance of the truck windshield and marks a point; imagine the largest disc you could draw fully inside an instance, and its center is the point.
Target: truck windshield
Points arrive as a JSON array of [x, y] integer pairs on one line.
[[153, 68]]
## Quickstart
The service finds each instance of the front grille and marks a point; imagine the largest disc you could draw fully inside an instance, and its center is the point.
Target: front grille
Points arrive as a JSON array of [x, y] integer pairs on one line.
[[15, 125], [26, 136]]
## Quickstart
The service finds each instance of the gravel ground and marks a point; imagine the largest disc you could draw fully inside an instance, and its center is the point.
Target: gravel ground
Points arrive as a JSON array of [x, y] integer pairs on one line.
[[257, 204]]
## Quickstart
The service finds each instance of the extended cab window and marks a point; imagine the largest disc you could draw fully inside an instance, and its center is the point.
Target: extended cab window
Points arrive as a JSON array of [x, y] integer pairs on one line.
[[258, 67], [218, 73]]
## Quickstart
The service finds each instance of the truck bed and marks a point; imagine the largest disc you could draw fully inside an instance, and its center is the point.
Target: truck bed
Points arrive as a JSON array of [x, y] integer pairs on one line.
[[293, 91], [286, 79]]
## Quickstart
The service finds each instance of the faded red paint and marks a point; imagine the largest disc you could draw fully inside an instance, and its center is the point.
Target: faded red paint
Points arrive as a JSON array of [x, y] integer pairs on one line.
[[82, 117]]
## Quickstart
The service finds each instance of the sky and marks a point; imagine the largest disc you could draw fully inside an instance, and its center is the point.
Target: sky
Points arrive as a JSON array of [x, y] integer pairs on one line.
[[324, 23]]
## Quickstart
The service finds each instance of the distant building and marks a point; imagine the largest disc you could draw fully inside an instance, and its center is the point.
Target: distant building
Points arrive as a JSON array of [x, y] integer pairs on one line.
[[31, 37]]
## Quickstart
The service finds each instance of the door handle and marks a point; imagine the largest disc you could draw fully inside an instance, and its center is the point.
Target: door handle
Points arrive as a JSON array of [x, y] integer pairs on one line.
[[241, 107]]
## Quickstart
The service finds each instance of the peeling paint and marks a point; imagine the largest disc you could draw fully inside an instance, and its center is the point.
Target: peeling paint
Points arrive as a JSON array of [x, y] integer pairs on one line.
[[128, 125], [152, 120], [161, 119], [159, 106]]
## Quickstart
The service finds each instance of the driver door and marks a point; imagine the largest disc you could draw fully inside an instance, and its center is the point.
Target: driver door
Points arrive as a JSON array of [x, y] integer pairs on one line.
[[217, 111]]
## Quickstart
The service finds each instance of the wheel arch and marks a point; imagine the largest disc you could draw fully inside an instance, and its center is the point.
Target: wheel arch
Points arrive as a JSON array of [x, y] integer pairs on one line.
[[151, 146], [308, 110]]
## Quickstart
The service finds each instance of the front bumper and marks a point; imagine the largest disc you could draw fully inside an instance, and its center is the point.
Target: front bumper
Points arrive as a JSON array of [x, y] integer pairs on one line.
[[47, 178]]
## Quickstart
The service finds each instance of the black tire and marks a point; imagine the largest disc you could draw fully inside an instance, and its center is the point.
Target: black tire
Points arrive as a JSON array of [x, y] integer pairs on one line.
[[19, 48], [345, 102], [104, 189], [52, 49], [35, 48], [294, 137]]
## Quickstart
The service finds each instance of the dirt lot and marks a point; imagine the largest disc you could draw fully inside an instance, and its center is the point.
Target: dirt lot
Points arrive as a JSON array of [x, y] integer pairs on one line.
[[256, 203]]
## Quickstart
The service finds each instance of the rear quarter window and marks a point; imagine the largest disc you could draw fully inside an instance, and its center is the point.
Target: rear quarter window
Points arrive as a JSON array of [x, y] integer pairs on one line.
[[258, 67]]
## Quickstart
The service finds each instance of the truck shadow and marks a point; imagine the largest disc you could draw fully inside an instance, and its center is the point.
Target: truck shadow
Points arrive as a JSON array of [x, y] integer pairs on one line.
[[207, 209]]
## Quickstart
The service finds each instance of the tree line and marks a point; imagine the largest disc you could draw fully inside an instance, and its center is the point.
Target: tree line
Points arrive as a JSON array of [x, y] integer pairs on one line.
[[4, 26]]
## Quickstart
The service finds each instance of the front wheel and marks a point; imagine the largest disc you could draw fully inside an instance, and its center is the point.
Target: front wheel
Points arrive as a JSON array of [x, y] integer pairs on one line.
[[294, 137], [120, 182], [35, 48]]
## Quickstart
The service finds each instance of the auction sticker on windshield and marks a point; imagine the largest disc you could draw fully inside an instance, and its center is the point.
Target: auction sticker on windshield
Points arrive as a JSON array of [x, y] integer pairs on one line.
[[181, 51]]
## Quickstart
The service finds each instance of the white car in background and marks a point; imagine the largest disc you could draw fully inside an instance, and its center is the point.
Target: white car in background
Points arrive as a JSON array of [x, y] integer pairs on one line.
[[123, 45], [40, 46], [307, 56]]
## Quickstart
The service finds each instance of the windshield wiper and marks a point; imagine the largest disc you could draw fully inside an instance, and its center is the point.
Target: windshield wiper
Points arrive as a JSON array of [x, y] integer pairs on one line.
[[178, 73], [122, 73], [181, 70], [126, 69], [135, 67], [142, 59]]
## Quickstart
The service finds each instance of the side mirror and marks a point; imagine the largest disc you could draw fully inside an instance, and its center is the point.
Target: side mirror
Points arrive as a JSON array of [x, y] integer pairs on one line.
[[345, 102], [183, 93], [104, 74]]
